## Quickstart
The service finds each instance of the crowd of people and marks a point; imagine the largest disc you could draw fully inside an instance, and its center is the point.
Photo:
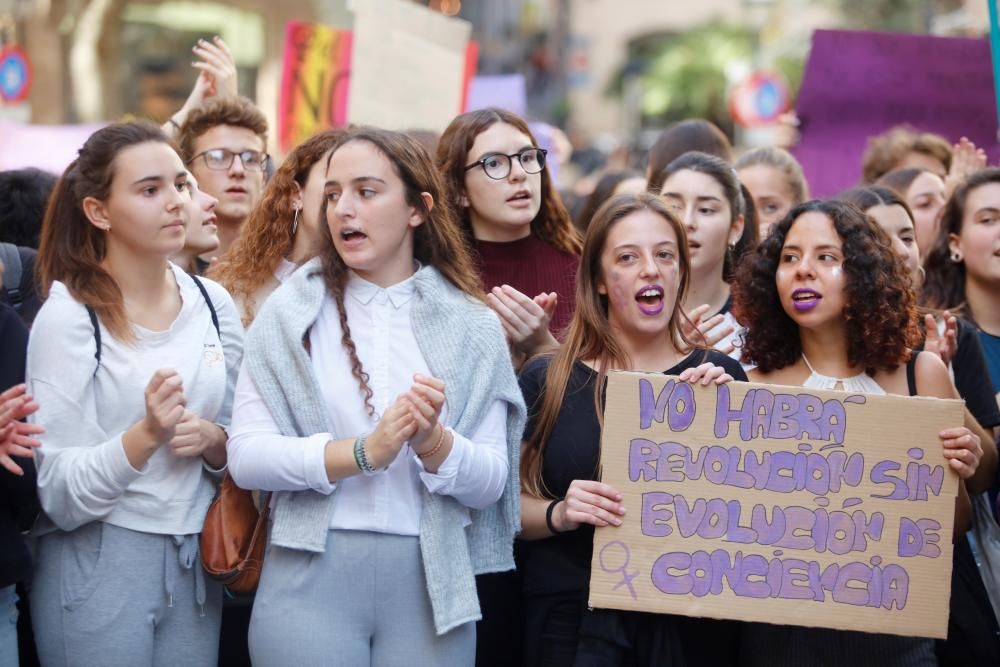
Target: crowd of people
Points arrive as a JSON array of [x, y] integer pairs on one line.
[[405, 352]]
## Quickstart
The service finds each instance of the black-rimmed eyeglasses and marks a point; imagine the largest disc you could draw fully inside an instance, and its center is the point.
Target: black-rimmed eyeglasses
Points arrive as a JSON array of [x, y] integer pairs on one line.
[[497, 165], [220, 159]]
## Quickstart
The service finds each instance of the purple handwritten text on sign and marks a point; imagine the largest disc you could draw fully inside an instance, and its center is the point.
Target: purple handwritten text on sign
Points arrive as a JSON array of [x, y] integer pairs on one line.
[[818, 473], [792, 527], [675, 404], [855, 583], [768, 415]]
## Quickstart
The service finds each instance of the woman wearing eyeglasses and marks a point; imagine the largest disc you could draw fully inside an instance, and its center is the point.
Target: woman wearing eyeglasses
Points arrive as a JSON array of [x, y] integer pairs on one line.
[[528, 254], [525, 242]]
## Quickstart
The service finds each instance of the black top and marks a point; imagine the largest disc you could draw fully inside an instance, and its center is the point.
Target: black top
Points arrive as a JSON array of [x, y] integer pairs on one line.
[[972, 376], [561, 563], [18, 502]]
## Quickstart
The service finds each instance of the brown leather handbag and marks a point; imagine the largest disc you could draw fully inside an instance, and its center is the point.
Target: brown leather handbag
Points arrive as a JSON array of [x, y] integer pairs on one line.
[[234, 536]]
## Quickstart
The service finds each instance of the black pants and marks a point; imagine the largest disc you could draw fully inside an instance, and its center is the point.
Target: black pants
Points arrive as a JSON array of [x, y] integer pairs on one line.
[[559, 631]]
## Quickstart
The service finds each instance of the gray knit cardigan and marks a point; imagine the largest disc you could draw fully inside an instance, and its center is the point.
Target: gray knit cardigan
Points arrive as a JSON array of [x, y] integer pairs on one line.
[[463, 344]]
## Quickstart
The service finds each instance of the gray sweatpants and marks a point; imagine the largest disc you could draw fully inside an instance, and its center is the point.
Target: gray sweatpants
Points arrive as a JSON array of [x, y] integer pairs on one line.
[[362, 602], [109, 596]]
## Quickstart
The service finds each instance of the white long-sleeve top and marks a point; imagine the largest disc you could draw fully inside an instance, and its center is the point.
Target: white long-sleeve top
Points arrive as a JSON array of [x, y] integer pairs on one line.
[[389, 501], [83, 472]]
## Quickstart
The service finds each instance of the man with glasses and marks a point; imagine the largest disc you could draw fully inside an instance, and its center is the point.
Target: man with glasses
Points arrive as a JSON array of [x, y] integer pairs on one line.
[[224, 145]]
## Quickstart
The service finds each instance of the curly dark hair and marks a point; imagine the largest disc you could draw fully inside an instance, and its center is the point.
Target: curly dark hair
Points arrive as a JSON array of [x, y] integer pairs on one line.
[[881, 310]]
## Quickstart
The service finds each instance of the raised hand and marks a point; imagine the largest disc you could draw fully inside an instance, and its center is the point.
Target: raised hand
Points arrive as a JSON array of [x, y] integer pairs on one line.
[[217, 66], [216, 79], [697, 331], [944, 345], [966, 159]]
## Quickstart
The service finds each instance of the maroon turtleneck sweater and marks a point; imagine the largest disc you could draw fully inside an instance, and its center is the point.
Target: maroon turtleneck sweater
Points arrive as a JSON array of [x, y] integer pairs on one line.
[[531, 266]]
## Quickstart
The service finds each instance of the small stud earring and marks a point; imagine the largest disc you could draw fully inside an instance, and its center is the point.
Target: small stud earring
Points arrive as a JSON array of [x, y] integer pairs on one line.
[[955, 257]]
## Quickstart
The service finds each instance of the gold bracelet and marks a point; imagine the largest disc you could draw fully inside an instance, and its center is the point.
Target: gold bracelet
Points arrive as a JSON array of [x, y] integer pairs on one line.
[[434, 450]]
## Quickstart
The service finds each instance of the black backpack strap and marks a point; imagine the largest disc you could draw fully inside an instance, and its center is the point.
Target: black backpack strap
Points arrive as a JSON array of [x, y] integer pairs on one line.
[[97, 335], [10, 255], [211, 306], [911, 374]]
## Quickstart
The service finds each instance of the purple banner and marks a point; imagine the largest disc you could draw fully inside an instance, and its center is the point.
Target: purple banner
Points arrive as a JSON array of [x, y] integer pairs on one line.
[[859, 84]]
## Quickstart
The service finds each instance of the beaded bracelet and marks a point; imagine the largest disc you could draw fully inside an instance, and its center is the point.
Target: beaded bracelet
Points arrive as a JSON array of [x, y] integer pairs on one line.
[[434, 450], [548, 516], [361, 457]]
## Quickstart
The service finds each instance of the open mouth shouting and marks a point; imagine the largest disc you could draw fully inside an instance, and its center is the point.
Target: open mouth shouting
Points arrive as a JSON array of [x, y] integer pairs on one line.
[[650, 299], [805, 299]]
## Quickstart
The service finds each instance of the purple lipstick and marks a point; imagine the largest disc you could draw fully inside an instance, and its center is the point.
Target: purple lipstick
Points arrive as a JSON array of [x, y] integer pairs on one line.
[[650, 299], [805, 299]]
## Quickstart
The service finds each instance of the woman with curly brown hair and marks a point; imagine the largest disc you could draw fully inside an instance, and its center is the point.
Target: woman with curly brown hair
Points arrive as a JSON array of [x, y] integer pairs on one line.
[[283, 230], [524, 240], [814, 297]]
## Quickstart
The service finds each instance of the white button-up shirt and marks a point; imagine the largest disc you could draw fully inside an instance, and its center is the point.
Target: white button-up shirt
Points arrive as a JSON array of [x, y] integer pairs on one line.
[[389, 501]]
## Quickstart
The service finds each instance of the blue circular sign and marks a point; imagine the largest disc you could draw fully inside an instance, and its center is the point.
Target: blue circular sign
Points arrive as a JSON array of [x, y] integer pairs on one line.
[[15, 74]]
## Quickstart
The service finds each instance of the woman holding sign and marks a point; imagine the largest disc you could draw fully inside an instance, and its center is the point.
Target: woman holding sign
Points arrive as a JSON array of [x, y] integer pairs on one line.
[[378, 402], [633, 278], [814, 298]]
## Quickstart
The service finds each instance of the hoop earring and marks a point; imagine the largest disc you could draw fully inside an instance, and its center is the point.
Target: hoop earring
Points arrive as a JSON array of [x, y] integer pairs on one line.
[[295, 222]]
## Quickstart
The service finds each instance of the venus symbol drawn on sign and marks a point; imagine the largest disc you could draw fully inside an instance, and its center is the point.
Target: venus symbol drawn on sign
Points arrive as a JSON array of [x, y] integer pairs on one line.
[[627, 576]]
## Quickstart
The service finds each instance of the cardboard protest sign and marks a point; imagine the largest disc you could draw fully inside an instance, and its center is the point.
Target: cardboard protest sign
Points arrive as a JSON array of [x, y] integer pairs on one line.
[[410, 66], [777, 504], [314, 82], [860, 84]]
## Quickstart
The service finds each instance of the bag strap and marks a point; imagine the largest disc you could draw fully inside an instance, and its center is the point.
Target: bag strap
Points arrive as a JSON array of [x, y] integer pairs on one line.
[[97, 335], [97, 327], [211, 306], [11, 258], [911, 375]]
